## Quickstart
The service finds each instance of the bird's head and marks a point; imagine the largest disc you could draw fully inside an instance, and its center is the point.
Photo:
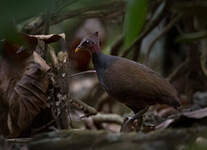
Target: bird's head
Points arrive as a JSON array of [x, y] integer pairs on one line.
[[90, 43]]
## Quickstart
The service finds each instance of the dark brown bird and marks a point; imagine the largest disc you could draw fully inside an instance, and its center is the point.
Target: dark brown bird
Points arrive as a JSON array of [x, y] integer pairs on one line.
[[133, 84]]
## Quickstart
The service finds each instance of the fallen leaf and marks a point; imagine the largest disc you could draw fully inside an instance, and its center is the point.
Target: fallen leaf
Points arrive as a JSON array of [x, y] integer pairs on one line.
[[183, 119], [46, 38], [197, 114], [165, 124], [23, 89]]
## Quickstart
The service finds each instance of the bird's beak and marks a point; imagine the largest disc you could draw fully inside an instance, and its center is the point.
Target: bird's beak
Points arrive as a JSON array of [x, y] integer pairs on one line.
[[77, 49]]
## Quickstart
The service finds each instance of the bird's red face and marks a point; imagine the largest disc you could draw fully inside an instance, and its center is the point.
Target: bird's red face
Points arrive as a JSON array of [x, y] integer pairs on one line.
[[90, 44]]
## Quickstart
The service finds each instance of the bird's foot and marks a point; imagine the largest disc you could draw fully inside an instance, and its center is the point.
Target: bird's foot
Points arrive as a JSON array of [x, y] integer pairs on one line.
[[128, 124]]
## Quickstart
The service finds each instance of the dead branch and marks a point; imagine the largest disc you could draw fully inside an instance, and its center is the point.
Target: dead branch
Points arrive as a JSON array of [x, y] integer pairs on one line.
[[76, 103], [19, 140], [83, 73], [88, 110], [108, 118], [89, 124], [53, 57], [59, 92], [104, 98]]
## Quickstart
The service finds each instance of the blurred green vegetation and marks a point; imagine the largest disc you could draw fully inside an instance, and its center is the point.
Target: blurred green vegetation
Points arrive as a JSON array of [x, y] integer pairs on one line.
[[17, 13], [14, 12], [135, 18]]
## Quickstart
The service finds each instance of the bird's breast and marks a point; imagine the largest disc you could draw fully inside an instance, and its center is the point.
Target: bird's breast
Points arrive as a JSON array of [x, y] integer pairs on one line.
[[100, 74]]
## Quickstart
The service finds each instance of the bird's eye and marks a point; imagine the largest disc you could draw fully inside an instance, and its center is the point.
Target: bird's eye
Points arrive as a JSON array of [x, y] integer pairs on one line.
[[87, 42]]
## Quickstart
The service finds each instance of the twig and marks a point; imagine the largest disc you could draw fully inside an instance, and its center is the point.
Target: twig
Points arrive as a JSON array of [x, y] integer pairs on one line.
[[52, 97], [76, 103], [167, 28], [60, 91], [83, 73], [53, 56], [108, 118], [138, 115], [88, 110], [89, 124], [19, 140], [104, 98], [66, 72]]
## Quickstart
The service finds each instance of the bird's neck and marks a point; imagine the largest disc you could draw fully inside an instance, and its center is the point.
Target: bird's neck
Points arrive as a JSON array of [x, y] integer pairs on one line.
[[97, 58], [96, 49], [101, 62]]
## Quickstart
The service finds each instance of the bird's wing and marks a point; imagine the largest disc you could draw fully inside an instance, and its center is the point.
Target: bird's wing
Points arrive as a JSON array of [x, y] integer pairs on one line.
[[130, 79]]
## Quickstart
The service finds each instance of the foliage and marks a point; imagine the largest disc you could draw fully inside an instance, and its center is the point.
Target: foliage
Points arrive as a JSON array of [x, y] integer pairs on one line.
[[134, 20], [13, 12]]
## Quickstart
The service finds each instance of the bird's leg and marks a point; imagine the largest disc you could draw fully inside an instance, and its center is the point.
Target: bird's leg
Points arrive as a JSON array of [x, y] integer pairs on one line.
[[138, 115]]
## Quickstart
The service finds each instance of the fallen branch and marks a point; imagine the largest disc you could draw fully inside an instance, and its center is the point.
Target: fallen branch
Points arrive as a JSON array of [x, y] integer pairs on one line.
[[108, 118], [88, 110]]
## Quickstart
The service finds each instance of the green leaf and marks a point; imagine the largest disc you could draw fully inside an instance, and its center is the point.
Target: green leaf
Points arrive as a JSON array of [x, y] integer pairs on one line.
[[191, 37], [134, 20]]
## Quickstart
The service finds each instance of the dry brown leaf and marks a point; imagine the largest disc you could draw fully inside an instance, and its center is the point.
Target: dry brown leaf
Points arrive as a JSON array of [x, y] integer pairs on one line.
[[18, 51], [165, 124], [197, 114], [183, 118], [46, 38], [39, 60], [23, 89], [23, 82]]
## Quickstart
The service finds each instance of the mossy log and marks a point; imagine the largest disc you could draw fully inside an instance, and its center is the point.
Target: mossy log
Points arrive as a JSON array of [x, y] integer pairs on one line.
[[168, 139]]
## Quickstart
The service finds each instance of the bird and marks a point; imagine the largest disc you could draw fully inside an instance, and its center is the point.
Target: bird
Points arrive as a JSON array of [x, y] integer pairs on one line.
[[131, 83]]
